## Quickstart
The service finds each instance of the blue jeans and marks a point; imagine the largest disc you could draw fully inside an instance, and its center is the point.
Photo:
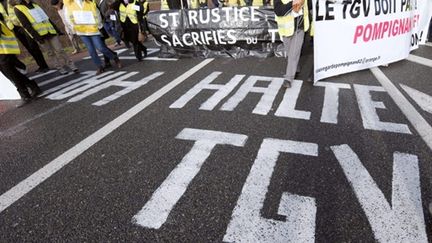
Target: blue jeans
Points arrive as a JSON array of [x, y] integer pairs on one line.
[[93, 43], [112, 31]]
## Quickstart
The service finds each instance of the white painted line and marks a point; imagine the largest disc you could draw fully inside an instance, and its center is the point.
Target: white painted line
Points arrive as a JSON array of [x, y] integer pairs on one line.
[[55, 79], [419, 60], [28, 184], [42, 74], [422, 99], [428, 44], [418, 122]]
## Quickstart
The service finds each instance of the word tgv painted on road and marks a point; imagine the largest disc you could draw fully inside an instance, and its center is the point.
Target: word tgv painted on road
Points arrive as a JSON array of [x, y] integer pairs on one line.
[[401, 220]]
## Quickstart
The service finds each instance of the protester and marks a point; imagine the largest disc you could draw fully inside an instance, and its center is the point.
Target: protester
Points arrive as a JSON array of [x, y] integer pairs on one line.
[[110, 19], [9, 48], [293, 20], [74, 39], [35, 21], [85, 19], [146, 10], [131, 19], [6, 8]]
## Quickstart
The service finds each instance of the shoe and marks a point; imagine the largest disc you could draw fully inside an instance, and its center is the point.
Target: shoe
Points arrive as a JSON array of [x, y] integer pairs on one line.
[[286, 84], [118, 63], [22, 71], [42, 70], [63, 71], [35, 92], [24, 101], [74, 52], [100, 70], [75, 69]]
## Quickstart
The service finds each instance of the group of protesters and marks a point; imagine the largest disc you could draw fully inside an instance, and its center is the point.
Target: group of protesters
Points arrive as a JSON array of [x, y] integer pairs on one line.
[[25, 21]]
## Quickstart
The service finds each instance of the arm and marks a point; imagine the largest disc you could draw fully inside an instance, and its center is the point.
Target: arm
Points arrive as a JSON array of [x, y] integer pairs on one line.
[[27, 25]]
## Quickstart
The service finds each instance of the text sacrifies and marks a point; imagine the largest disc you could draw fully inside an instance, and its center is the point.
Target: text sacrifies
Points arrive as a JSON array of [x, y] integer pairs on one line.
[[228, 17], [382, 27]]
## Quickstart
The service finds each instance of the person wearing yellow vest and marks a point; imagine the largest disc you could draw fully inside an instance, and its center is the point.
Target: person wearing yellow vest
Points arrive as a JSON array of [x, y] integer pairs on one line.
[[86, 21], [38, 25], [164, 5], [292, 20], [195, 4], [131, 20], [31, 45], [9, 48]]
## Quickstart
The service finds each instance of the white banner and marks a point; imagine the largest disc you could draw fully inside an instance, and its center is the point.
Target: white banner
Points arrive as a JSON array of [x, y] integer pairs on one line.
[[359, 34]]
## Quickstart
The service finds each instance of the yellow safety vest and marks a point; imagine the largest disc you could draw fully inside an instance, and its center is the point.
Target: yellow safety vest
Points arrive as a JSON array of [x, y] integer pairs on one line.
[[12, 16], [8, 41], [146, 6], [257, 3], [235, 3], [286, 23], [44, 27], [128, 11], [86, 6], [164, 5], [6, 18]]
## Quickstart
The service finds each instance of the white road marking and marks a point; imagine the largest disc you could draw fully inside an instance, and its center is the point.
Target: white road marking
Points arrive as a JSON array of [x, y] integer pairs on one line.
[[331, 101], [419, 60], [42, 74], [418, 122], [156, 211], [149, 58], [422, 99], [400, 221], [83, 85], [87, 75], [289, 101], [268, 94], [369, 114], [247, 224], [25, 186], [222, 91], [55, 79]]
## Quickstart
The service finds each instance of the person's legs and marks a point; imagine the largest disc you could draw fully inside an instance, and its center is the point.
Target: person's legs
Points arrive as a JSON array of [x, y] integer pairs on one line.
[[110, 28], [293, 46], [101, 47], [20, 81], [61, 54], [91, 50], [32, 47], [52, 54]]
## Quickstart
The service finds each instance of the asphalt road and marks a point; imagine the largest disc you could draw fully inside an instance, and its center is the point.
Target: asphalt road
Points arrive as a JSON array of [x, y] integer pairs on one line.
[[171, 159]]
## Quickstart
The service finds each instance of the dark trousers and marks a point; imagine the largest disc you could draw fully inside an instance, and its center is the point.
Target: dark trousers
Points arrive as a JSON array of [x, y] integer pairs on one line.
[[31, 46], [21, 82], [131, 32]]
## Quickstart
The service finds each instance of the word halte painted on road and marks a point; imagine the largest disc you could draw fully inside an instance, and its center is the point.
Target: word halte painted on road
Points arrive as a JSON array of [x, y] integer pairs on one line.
[[287, 108], [84, 88], [401, 220]]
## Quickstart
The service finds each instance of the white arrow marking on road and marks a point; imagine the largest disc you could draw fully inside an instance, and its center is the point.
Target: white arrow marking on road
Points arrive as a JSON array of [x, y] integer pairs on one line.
[[422, 99], [31, 182], [420, 60], [400, 221]]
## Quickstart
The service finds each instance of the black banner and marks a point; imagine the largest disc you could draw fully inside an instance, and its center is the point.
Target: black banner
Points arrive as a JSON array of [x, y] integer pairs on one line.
[[208, 32]]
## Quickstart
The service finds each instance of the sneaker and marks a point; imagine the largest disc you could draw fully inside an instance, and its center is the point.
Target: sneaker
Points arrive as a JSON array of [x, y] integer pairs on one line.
[[100, 70], [118, 63], [22, 71], [75, 69], [63, 71], [24, 101], [286, 84]]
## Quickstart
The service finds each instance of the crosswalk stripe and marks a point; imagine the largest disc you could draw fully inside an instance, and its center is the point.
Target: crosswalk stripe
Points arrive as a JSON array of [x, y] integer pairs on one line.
[[420, 60]]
